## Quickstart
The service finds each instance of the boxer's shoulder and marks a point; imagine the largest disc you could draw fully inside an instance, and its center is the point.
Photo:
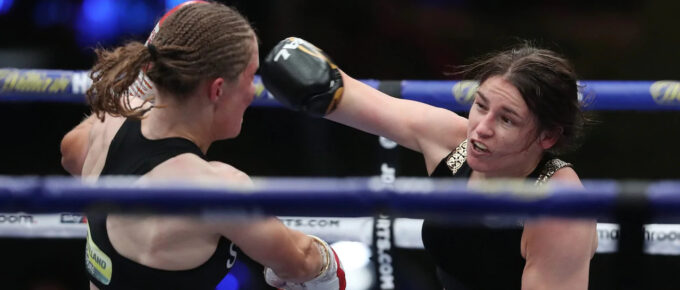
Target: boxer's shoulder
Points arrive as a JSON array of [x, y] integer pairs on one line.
[[232, 174]]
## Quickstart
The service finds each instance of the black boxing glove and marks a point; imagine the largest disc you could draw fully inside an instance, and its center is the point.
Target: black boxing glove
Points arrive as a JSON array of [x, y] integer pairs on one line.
[[302, 77]]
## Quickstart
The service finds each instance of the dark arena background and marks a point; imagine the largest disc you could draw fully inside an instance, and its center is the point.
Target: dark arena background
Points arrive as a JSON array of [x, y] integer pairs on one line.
[[370, 39]]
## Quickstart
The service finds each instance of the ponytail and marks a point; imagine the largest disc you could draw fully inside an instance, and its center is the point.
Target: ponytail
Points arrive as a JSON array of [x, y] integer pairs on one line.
[[113, 74]]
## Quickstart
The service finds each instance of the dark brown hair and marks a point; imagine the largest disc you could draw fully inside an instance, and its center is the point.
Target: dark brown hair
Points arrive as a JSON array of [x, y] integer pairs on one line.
[[547, 83], [199, 41]]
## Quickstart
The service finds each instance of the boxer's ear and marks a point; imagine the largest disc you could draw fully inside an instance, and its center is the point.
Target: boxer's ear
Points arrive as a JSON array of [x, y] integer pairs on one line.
[[215, 90]]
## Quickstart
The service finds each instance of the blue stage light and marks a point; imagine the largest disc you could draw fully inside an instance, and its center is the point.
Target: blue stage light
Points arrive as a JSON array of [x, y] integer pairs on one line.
[[97, 22], [228, 283], [138, 17], [100, 11], [52, 12], [169, 4], [238, 278], [5, 5]]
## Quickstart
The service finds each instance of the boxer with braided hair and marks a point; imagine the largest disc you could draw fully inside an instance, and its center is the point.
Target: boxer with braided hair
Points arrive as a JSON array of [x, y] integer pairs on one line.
[[201, 63]]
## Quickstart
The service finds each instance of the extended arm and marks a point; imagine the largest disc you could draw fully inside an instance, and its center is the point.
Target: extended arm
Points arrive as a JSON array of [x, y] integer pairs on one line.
[[303, 78]]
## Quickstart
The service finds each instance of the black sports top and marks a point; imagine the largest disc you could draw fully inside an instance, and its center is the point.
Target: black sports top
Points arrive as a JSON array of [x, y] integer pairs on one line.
[[478, 256], [131, 153]]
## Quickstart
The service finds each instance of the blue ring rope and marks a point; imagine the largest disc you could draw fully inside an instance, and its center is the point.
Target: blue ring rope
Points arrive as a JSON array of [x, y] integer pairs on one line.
[[407, 197], [35, 85]]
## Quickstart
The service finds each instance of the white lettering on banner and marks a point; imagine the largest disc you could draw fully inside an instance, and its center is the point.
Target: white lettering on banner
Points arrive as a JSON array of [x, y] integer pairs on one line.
[[387, 175], [72, 218], [310, 222], [383, 224], [333, 229], [80, 82], [382, 245], [16, 219], [40, 226], [660, 239], [607, 236]]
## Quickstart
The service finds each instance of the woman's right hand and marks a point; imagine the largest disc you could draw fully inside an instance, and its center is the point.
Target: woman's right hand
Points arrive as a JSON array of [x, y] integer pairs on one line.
[[330, 277]]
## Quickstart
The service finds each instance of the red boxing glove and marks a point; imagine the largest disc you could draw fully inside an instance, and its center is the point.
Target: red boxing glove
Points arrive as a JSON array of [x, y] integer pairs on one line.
[[332, 276]]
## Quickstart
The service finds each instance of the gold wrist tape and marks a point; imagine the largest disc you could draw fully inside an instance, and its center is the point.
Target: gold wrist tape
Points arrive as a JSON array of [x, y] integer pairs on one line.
[[326, 253]]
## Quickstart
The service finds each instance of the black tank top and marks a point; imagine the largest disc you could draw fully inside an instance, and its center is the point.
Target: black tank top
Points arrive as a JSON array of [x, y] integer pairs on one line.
[[478, 256], [130, 153]]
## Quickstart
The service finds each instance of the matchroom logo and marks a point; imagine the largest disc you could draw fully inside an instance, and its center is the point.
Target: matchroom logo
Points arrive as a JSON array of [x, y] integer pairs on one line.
[[16, 219]]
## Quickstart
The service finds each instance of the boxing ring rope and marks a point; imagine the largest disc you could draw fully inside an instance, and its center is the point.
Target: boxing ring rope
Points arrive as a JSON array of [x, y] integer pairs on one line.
[[55, 204], [19, 85], [406, 197]]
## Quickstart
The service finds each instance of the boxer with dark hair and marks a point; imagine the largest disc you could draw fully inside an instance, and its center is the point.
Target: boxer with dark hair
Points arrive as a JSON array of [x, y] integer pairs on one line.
[[526, 110]]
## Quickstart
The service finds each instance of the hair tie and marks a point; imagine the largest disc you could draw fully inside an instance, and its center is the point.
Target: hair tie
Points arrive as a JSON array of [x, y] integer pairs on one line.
[[152, 51]]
